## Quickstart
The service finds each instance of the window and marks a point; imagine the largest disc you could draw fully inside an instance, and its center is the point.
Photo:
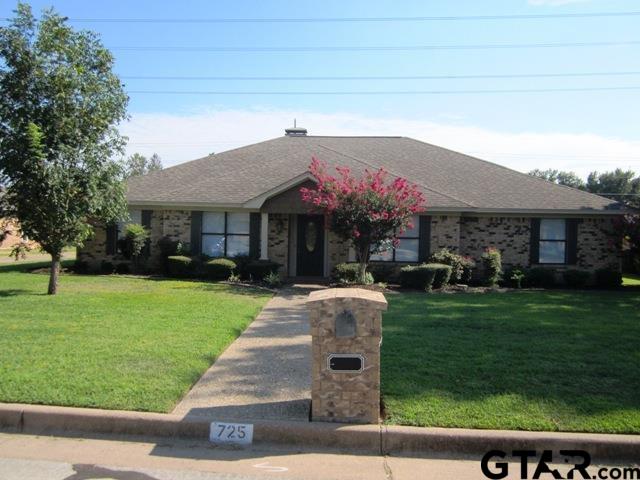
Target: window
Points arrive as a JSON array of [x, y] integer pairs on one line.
[[553, 240], [407, 249], [225, 234], [135, 216]]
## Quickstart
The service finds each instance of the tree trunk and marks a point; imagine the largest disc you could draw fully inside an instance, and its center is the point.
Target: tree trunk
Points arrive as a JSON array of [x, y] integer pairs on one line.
[[55, 272], [362, 273], [363, 260]]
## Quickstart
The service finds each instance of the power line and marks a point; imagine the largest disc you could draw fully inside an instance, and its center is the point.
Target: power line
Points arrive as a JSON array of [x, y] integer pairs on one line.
[[357, 19], [355, 48], [383, 77], [383, 92]]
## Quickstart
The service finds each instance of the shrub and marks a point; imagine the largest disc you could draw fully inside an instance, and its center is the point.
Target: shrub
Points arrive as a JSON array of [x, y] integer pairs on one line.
[[347, 273], [106, 267], [81, 266], [461, 267], [492, 266], [514, 277], [234, 278], [168, 247], [122, 268], [609, 277], [384, 272], [180, 266], [258, 269], [417, 276], [134, 241], [576, 278], [218, 268], [242, 261], [468, 264], [272, 280], [541, 277], [442, 274]]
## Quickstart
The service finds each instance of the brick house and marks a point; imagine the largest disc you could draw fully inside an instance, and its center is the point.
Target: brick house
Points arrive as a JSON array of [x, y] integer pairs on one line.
[[246, 201], [13, 238]]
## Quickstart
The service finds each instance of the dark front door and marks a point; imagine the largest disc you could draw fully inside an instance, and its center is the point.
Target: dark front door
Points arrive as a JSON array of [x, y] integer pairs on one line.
[[310, 258]]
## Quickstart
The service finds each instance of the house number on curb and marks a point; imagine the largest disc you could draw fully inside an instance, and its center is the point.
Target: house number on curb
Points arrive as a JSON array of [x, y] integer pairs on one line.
[[234, 433]]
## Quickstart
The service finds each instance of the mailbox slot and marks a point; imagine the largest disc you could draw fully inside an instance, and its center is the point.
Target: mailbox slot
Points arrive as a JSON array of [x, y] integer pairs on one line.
[[345, 362]]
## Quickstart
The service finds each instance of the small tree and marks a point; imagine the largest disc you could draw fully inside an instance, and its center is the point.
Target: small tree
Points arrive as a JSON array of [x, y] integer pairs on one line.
[[370, 212], [60, 104], [134, 241]]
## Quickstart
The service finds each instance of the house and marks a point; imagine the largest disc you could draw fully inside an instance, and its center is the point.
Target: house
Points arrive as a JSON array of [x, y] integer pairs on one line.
[[247, 202], [13, 238]]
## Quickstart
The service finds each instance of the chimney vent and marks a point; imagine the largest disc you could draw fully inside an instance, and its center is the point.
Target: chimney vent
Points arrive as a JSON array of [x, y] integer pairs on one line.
[[295, 131]]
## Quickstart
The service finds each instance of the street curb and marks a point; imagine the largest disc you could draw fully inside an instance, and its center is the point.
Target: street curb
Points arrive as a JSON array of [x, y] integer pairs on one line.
[[370, 439]]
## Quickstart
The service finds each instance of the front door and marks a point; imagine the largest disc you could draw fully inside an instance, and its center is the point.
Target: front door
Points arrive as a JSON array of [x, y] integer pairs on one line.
[[310, 257]]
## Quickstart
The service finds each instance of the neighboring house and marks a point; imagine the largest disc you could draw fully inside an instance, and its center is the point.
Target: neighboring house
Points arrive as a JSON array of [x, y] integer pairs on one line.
[[247, 202], [14, 237]]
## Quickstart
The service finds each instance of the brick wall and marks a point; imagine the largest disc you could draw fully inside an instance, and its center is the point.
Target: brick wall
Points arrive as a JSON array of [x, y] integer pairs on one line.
[[338, 251], [595, 246], [175, 224], [511, 235], [445, 233]]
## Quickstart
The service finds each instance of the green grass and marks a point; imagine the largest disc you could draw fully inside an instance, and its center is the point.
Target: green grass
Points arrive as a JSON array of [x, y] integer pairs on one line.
[[630, 280], [113, 342], [567, 361]]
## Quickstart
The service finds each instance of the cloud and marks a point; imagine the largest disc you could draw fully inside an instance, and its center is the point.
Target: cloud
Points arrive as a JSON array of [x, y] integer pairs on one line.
[[555, 3], [178, 138]]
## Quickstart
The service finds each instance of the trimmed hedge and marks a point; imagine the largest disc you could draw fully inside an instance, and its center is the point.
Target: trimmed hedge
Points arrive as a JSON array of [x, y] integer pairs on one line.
[[609, 277], [417, 276], [384, 272], [425, 276], [541, 277], [218, 268], [442, 276], [180, 266], [576, 278], [258, 269], [347, 273]]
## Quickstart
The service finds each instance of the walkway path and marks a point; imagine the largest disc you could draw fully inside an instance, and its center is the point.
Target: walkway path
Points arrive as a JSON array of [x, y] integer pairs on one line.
[[266, 372]]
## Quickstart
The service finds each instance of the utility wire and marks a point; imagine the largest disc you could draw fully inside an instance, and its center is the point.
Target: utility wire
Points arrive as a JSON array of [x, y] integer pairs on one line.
[[383, 92], [357, 19], [355, 48], [383, 77]]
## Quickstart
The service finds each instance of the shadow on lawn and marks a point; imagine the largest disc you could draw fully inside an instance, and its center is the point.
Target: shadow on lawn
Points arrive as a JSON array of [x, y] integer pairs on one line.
[[575, 349]]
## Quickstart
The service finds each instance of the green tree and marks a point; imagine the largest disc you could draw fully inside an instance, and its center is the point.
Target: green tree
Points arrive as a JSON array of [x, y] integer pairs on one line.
[[138, 164], [621, 185], [560, 177], [60, 103]]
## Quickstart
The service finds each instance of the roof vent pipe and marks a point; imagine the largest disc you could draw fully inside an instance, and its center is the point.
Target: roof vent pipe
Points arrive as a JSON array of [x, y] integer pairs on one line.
[[295, 131]]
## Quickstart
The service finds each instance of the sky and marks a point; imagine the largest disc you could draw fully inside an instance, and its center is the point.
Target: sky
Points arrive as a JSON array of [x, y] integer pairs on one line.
[[578, 130]]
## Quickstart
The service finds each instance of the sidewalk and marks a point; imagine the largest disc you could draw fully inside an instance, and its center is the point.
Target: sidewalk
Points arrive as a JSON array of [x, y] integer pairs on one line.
[[265, 373]]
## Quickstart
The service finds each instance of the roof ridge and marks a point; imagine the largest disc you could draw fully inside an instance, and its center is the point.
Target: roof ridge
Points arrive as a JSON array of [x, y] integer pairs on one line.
[[397, 175], [513, 170]]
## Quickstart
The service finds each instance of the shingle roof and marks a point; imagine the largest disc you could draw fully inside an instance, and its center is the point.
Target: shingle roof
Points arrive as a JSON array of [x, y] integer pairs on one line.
[[450, 180]]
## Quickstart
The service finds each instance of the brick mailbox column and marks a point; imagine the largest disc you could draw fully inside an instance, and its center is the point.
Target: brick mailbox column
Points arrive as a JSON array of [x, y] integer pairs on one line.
[[346, 332]]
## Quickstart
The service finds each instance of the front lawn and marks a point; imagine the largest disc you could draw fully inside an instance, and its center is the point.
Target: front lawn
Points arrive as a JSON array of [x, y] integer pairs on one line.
[[566, 361], [114, 342]]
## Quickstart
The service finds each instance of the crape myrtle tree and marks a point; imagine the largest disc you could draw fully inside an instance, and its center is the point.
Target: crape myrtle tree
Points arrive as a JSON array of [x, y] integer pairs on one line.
[[371, 212], [60, 103]]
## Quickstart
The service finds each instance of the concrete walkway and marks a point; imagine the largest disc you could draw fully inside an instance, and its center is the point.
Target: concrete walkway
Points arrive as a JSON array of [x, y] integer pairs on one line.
[[266, 372]]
